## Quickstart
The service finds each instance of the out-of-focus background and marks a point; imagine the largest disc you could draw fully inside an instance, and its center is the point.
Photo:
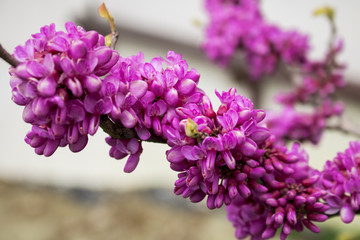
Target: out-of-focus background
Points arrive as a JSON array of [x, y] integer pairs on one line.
[[87, 195]]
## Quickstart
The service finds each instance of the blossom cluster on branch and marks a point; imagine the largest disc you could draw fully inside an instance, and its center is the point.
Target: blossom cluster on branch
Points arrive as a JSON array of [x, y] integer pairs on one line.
[[58, 81], [316, 92], [70, 83], [239, 26], [145, 97]]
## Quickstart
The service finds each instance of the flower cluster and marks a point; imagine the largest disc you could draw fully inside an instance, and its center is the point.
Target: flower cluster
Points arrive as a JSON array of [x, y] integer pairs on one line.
[[319, 78], [230, 158], [58, 82], [145, 96], [341, 180], [291, 202], [121, 148], [217, 154], [239, 25], [319, 82]]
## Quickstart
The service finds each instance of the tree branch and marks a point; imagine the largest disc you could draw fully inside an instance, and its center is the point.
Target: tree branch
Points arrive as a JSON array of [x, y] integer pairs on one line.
[[346, 126], [114, 38], [8, 57], [120, 132]]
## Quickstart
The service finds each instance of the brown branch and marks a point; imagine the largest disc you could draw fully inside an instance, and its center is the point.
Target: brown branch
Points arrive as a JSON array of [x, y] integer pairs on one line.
[[114, 38], [8, 57], [346, 126], [118, 131], [345, 129]]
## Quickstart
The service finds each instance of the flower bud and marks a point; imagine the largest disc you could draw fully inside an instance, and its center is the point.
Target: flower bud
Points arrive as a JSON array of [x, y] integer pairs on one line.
[[78, 49], [47, 86]]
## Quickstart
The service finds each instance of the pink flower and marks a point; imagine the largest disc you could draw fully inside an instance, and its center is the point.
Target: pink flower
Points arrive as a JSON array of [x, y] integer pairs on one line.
[[58, 81]]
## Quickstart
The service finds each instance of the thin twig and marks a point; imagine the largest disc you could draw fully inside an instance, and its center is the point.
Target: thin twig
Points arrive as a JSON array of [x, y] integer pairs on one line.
[[346, 126], [114, 38], [338, 214], [8, 57]]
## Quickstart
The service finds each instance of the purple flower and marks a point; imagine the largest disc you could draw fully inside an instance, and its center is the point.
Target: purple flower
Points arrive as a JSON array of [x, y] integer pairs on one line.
[[303, 126], [319, 81], [122, 148], [147, 95], [248, 218], [224, 148], [58, 81], [240, 26], [340, 178], [292, 199]]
